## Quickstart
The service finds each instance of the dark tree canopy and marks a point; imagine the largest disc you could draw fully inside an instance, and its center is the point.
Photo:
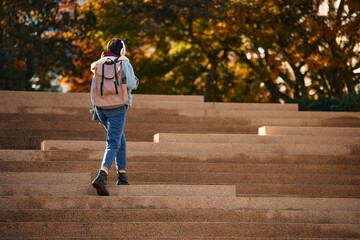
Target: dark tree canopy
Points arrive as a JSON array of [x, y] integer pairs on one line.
[[228, 50], [35, 43]]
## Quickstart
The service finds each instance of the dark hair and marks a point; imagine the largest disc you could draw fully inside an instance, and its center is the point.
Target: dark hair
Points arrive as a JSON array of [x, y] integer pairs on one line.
[[114, 46]]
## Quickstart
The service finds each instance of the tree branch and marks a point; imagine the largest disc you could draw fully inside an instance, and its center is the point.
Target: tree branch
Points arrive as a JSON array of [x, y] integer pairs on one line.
[[356, 66], [339, 12], [244, 58], [275, 93], [285, 78], [196, 40]]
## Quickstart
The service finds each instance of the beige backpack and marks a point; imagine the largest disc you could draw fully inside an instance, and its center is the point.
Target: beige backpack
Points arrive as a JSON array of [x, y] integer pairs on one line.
[[109, 91]]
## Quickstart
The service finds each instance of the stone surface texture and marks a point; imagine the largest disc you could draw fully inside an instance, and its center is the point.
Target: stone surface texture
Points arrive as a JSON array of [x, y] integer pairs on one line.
[[197, 171]]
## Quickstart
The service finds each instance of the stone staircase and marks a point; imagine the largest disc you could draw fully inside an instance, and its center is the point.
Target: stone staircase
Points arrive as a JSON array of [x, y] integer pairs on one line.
[[198, 171]]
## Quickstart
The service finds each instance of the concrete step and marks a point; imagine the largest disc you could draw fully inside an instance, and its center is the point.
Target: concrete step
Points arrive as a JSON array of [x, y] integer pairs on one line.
[[263, 211], [210, 106], [97, 133], [48, 125], [28, 141], [304, 149], [41, 99], [25, 142], [48, 100], [189, 177], [147, 130], [243, 181], [319, 135], [248, 184], [132, 190], [47, 110], [81, 166], [130, 127], [82, 111], [174, 203], [314, 122], [16, 127], [251, 185], [182, 215], [269, 114], [174, 98], [298, 190], [133, 116], [253, 117], [32, 138], [151, 157], [18, 99], [162, 116], [172, 238], [23, 117], [179, 229], [168, 238], [45, 178], [253, 138], [309, 131], [242, 190], [243, 178], [72, 98]]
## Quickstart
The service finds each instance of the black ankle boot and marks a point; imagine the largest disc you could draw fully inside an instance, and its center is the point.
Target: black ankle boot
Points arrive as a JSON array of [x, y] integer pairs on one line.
[[122, 179], [99, 183]]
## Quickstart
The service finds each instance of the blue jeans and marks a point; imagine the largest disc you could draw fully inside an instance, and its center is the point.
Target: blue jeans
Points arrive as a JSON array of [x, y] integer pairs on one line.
[[114, 122]]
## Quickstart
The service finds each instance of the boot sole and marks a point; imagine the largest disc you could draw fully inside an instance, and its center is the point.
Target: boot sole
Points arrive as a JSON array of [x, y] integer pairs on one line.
[[100, 191], [122, 183]]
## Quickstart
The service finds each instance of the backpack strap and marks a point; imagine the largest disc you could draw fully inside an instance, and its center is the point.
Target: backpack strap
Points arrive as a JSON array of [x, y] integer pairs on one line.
[[102, 80], [116, 77]]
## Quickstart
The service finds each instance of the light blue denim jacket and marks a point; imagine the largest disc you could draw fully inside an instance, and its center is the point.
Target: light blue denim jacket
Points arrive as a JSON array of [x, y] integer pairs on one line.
[[132, 82]]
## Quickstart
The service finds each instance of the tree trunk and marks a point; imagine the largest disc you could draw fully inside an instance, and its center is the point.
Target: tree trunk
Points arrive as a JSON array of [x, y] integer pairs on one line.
[[208, 86], [325, 83], [335, 81], [29, 73], [274, 91], [300, 81], [348, 79], [210, 80], [293, 87]]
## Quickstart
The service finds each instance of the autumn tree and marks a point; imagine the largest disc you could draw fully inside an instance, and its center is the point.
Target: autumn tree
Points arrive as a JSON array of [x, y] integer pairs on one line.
[[35, 42], [228, 50], [297, 50], [337, 30], [195, 22]]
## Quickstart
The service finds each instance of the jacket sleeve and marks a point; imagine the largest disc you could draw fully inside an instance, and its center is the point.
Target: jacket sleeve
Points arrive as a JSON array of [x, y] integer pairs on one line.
[[132, 82], [91, 91]]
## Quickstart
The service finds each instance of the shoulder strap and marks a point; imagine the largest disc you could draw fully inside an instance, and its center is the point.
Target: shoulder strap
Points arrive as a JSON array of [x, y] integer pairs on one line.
[[116, 77], [102, 79]]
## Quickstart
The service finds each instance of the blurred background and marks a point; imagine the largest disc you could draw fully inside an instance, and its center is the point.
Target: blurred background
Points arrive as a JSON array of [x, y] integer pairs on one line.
[[303, 51]]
